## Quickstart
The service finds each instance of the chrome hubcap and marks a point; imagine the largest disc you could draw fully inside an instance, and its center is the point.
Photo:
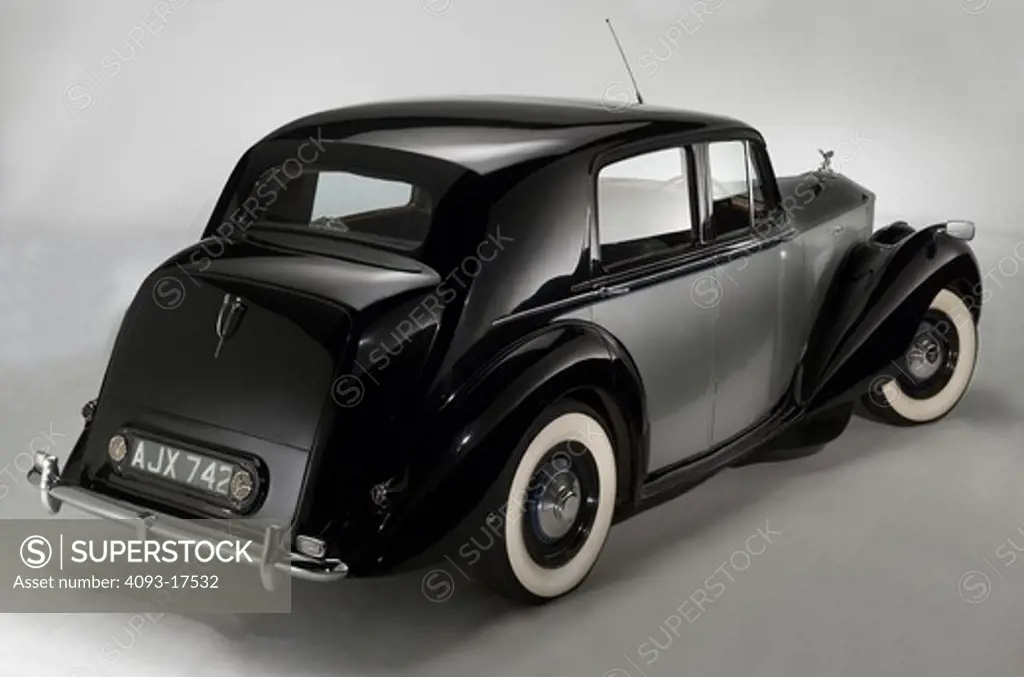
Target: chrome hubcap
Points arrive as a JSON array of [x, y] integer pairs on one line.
[[925, 356], [558, 503]]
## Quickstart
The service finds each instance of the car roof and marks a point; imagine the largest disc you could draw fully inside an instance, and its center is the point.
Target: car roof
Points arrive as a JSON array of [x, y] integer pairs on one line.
[[489, 134]]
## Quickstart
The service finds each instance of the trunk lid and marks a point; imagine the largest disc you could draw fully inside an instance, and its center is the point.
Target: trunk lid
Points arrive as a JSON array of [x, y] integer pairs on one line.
[[254, 339]]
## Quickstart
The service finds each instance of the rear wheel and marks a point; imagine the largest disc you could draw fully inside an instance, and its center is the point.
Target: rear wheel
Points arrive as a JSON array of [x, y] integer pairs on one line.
[[558, 506], [936, 370]]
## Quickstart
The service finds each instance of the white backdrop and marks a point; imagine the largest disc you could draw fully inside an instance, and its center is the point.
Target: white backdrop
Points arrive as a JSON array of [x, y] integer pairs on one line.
[[119, 121], [161, 117]]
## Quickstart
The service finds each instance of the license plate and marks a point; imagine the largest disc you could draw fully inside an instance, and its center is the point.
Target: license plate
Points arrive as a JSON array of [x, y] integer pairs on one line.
[[184, 467]]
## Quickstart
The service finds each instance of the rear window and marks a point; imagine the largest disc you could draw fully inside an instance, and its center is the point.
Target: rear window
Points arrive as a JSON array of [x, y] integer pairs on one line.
[[375, 196], [343, 194], [392, 213]]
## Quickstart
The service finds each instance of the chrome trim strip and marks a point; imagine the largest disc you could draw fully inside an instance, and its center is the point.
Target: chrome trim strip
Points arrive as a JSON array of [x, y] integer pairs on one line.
[[150, 523], [695, 260], [593, 243], [702, 166], [750, 181], [567, 303]]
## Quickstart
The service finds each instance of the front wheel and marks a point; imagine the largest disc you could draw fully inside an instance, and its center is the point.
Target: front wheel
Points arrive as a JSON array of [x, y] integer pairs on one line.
[[933, 375], [558, 506]]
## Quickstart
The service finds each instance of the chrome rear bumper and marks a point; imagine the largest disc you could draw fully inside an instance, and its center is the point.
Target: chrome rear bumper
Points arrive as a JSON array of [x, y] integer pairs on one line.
[[149, 524]]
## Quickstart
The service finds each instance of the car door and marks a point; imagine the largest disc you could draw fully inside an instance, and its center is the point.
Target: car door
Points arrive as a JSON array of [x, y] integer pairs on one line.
[[646, 216], [758, 284]]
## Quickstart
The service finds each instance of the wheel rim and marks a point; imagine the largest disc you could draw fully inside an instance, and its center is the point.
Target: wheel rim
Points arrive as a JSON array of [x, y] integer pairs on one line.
[[562, 505], [950, 323], [556, 506], [533, 563], [930, 362]]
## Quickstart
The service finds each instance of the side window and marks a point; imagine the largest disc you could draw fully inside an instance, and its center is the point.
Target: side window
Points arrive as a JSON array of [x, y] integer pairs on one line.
[[644, 207], [730, 169]]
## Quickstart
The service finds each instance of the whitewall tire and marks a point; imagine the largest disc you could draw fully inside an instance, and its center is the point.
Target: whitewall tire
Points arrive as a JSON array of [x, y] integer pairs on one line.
[[558, 508], [933, 375]]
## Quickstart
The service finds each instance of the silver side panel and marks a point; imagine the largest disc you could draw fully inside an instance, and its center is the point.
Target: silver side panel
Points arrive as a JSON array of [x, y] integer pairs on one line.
[[670, 338], [757, 335], [829, 225]]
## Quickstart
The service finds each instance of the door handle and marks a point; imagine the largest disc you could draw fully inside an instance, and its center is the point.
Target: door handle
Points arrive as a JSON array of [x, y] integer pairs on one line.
[[838, 230], [615, 290]]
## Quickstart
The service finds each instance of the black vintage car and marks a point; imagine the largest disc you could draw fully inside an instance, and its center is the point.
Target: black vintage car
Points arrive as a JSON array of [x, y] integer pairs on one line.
[[406, 323]]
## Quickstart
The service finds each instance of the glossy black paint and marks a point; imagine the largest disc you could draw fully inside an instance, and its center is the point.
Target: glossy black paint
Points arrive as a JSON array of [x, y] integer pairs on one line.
[[876, 304], [382, 393]]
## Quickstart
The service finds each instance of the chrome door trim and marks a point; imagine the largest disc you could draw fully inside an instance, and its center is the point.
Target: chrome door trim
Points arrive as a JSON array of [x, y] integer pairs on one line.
[[691, 261], [748, 161], [703, 184], [566, 304]]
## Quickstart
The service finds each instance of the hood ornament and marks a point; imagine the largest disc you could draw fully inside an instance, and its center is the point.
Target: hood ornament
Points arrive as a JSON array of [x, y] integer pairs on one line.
[[228, 319], [826, 162]]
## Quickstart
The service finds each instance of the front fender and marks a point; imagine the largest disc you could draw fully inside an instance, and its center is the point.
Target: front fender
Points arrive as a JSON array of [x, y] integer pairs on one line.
[[875, 304], [476, 434]]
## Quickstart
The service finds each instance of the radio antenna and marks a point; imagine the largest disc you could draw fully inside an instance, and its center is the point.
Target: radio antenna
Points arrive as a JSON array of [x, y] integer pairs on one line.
[[622, 53]]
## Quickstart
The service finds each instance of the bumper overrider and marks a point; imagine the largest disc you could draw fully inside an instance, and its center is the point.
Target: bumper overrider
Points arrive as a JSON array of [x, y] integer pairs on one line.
[[152, 525]]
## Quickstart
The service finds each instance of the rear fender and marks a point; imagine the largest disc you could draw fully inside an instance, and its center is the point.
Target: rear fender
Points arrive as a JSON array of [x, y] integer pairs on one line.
[[875, 304], [475, 435]]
